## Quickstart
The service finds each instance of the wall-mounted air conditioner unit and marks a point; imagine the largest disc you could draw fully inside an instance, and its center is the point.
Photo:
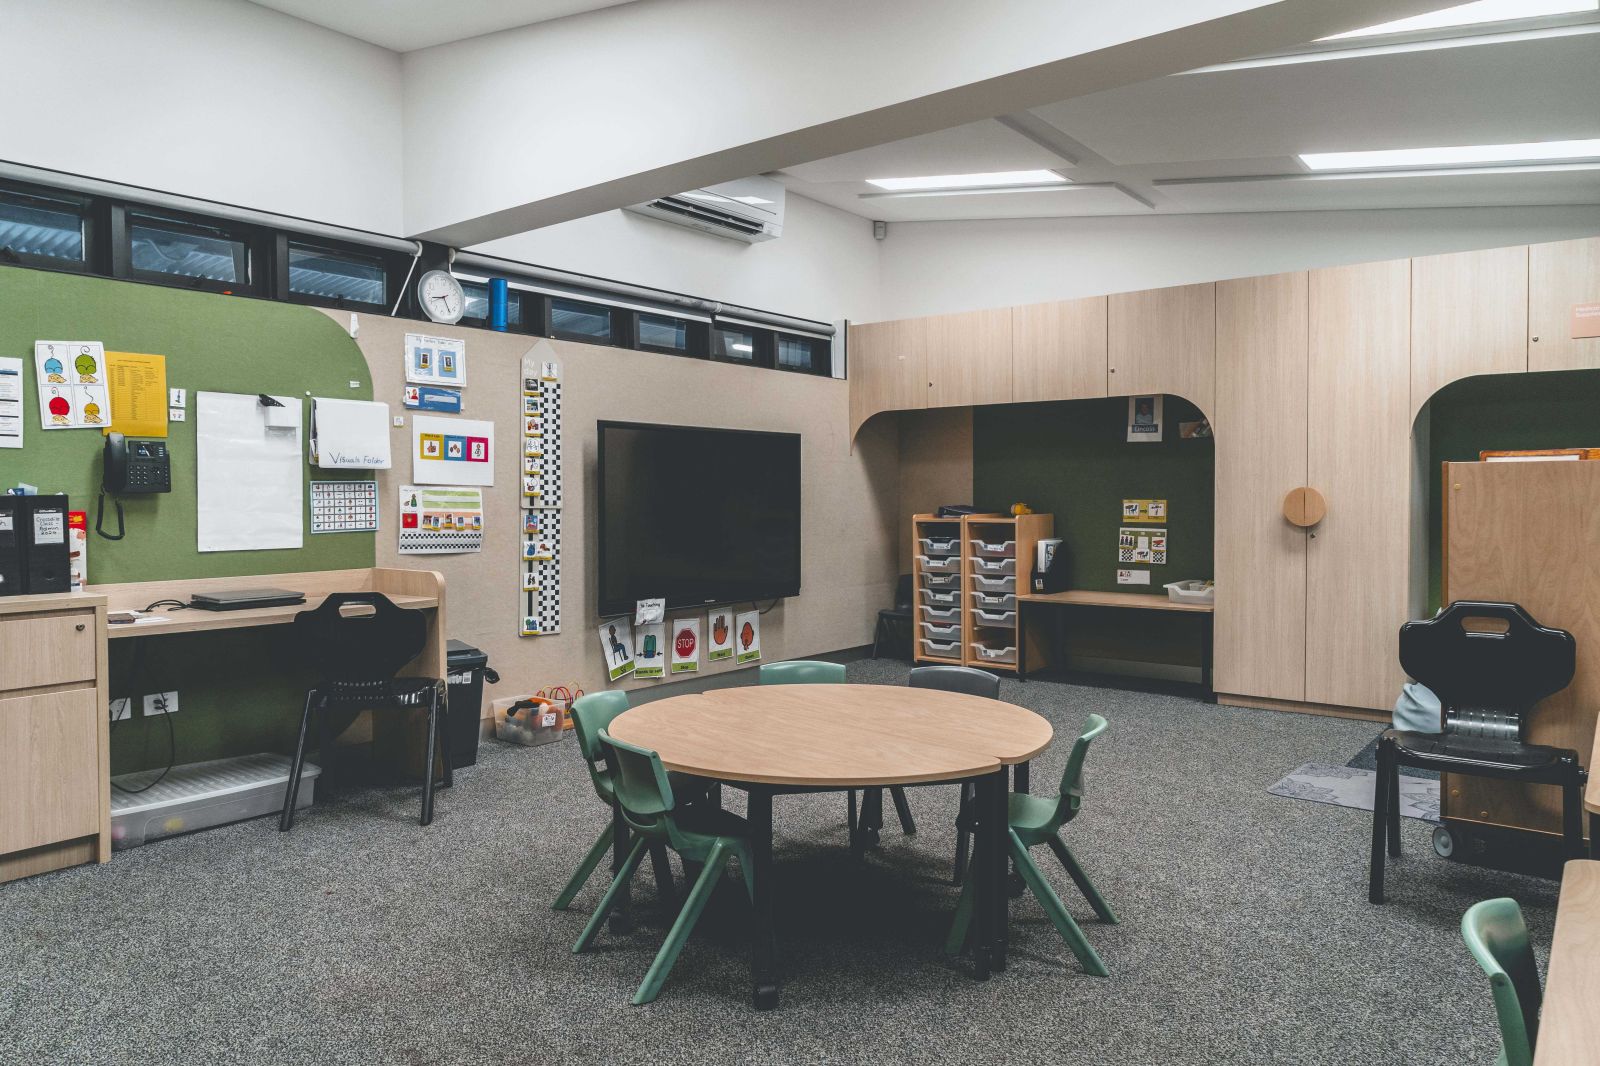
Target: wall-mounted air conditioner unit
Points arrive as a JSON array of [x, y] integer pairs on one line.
[[749, 210]]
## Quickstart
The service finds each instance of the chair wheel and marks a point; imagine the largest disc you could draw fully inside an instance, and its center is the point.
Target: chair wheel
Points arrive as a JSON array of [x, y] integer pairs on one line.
[[1444, 841]]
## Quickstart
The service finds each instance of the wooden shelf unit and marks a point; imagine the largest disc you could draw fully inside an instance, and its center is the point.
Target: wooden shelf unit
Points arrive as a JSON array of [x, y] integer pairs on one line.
[[1024, 531]]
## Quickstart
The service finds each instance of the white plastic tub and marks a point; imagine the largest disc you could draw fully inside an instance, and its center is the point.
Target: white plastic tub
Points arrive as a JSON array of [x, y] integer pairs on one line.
[[204, 795], [1000, 619], [940, 545], [1004, 549], [941, 614], [930, 565], [952, 598], [943, 649], [992, 654], [993, 585], [942, 631], [1191, 592], [995, 567], [998, 602], [941, 581]]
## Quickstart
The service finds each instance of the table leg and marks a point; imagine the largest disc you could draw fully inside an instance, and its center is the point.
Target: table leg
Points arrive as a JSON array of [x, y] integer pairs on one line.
[[986, 885], [1015, 886], [1001, 860], [621, 918], [1022, 640], [1207, 630], [763, 951]]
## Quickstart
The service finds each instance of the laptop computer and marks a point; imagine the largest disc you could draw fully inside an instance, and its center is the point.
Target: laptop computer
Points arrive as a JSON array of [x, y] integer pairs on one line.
[[243, 599]]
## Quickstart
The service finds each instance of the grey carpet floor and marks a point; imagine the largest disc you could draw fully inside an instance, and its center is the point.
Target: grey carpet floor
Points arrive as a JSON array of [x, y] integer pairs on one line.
[[361, 938]]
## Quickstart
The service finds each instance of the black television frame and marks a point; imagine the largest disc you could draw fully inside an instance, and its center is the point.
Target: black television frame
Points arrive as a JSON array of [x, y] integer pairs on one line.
[[600, 521]]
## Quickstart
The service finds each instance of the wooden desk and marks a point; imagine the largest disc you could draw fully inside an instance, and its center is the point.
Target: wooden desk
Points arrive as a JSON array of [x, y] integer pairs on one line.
[[1569, 1025], [1139, 601], [776, 739]]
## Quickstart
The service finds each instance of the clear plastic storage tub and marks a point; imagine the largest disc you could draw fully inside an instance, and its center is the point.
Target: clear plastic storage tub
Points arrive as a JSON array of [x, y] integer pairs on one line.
[[940, 545], [993, 585], [528, 720], [995, 567], [951, 598], [1004, 549], [942, 632], [952, 565], [941, 581], [943, 649], [1001, 619], [203, 795], [992, 654], [999, 602], [941, 614], [1191, 592]]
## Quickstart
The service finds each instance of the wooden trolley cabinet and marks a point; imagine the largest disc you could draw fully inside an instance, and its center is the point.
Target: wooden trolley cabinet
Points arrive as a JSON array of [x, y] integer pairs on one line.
[[951, 573], [55, 808]]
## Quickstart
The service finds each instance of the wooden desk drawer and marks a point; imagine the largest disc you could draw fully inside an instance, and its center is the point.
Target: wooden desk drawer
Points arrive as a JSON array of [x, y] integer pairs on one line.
[[51, 648], [49, 768]]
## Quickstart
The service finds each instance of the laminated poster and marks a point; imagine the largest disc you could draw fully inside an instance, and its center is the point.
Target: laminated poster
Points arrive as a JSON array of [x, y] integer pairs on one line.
[[650, 651], [719, 633], [685, 645], [616, 642], [440, 519], [71, 376], [10, 403], [1142, 545], [436, 360], [747, 637], [1144, 418], [138, 393]]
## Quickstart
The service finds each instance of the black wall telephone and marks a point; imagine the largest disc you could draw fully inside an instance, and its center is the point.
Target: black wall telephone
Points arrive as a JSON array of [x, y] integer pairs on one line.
[[131, 466]]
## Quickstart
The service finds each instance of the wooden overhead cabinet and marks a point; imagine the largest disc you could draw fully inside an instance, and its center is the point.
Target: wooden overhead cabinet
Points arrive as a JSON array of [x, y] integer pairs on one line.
[[1058, 350], [888, 368], [969, 358], [1163, 340], [1469, 316], [1560, 277]]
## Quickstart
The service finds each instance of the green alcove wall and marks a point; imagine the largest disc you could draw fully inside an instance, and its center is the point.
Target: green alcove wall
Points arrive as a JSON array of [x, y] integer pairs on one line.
[[239, 692]]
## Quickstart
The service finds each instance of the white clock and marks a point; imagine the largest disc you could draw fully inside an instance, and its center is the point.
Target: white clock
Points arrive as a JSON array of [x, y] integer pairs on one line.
[[441, 296]]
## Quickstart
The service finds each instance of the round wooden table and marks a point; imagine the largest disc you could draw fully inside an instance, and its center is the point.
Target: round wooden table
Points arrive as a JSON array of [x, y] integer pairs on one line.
[[778, 739]]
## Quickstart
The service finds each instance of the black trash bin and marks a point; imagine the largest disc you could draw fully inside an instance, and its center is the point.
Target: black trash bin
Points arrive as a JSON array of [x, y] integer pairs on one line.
[[468, 668]]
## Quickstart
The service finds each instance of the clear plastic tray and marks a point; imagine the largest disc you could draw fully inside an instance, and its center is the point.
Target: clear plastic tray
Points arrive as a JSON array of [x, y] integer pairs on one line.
[[951, 598], [994, 584], [995, 567], [944, 649], [941, 581], [940, 545], [941, 614], [1003, 619], [1191, 592], [990, 654], [942, 632], [1004, 549], [1000, 602], [952, 565]]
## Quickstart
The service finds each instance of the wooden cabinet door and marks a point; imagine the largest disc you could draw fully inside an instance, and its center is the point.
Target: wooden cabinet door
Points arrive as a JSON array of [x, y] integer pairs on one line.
[[1561, 275], [50, 775], [887, 368], [1058, 350], [1362, 581], [969, 358], [1260, 426], [1163, 340], [1469, 315]]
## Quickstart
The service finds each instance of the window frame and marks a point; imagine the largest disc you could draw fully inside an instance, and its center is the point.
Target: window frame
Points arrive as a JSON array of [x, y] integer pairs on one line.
[[393, 263], [696, 337], [618, 336], [763, 342], [257, 244], [821, 354], [88, 216]]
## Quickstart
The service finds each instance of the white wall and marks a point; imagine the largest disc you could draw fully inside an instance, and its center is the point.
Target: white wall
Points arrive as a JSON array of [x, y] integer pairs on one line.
[[825, 266], [219, 99], [935, 267]]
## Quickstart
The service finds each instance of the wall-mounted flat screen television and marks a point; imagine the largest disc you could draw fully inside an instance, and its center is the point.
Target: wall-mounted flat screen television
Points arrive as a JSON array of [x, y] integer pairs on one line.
[[698, 516]]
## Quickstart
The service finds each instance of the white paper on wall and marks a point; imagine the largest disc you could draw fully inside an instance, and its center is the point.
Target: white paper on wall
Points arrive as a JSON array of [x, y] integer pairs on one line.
[[451, 451], [10, 403], [349, 434], [249, 488]]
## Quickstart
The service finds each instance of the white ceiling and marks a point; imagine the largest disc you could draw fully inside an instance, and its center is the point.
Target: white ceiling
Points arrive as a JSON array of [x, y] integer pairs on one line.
[[406, 25], [1540, 82]]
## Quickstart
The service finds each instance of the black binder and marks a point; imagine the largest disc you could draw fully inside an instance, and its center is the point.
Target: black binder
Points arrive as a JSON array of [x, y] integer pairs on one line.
[[46, 550], [13, 519]]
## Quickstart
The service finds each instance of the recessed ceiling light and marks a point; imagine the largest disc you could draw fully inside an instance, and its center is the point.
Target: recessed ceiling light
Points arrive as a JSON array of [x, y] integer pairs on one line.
[[1474, 14], [969, 181], [1458, 156]]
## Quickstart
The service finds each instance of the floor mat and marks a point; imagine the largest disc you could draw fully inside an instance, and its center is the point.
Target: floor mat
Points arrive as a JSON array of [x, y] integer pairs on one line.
[[1350, 786], [1367, 759]]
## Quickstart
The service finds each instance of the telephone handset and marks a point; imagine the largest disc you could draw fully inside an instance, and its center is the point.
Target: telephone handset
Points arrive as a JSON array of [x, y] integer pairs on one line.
[[131, 467]]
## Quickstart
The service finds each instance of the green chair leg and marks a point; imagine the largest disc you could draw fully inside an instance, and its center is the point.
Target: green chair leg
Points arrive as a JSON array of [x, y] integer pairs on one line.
[[609, 900], [656, 976], [958, 928], [580, 876], [1052, 906], [1081, 879]]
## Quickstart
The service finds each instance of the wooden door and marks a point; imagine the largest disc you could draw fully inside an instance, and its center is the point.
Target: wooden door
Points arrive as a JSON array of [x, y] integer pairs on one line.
[[1163, 340], [1360, 581], [969, 358], [1526, 533], [888, 368], [1559, 276], [1469, 315], [1260, 426], [50, 786], [1058, 350]]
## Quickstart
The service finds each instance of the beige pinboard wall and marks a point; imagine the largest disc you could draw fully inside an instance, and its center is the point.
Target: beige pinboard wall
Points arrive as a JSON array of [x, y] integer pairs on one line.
[[849, 510], [935, 465]]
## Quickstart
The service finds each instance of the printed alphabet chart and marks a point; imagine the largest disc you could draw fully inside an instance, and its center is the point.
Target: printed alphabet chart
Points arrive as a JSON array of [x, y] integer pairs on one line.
[[344, 506]]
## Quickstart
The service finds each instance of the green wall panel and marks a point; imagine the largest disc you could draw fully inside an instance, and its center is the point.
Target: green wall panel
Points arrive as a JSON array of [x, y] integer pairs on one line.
[[239, 691], [1503, 412]]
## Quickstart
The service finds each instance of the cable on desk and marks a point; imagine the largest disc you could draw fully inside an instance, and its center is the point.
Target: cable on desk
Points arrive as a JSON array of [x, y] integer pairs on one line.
[[176, 605]]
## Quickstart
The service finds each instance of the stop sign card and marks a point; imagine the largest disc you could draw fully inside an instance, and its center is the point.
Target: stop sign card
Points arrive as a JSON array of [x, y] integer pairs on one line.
[[685, 645]]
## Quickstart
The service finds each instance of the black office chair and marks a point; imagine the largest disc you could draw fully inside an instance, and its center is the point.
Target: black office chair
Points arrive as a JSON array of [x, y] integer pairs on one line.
[[973, 683], [358, 656], [897, 619], [1487, 681]]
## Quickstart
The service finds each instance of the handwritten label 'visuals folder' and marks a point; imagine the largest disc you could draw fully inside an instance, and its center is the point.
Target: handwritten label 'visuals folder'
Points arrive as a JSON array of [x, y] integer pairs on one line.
[[349, 434]]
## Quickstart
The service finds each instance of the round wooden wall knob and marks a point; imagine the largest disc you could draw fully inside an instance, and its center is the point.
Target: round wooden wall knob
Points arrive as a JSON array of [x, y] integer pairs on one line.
[[1304, 507]]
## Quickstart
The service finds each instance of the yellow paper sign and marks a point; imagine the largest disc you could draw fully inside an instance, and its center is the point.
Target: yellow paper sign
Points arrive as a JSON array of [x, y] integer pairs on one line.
[[138, 394]]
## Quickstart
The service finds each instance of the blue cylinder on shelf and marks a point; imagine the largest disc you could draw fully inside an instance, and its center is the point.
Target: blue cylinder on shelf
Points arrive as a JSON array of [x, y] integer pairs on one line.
[[499, 297]]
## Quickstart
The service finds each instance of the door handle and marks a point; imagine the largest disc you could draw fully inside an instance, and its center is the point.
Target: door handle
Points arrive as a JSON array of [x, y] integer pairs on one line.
[[1304, 507]]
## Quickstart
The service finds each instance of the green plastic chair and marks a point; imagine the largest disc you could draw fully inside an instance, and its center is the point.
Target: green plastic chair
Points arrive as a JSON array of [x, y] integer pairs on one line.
[[702, 834], [591, 715], [1038, 820], [1498, 939]]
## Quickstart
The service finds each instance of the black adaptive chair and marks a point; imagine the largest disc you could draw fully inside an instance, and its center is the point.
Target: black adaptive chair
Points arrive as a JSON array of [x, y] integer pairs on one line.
[[896, 619], [1488, 679], [973, 683], [358, 656]]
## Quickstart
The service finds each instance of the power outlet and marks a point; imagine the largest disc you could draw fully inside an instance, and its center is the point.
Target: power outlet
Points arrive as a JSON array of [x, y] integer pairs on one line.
[[121, 709], [161, 703]]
